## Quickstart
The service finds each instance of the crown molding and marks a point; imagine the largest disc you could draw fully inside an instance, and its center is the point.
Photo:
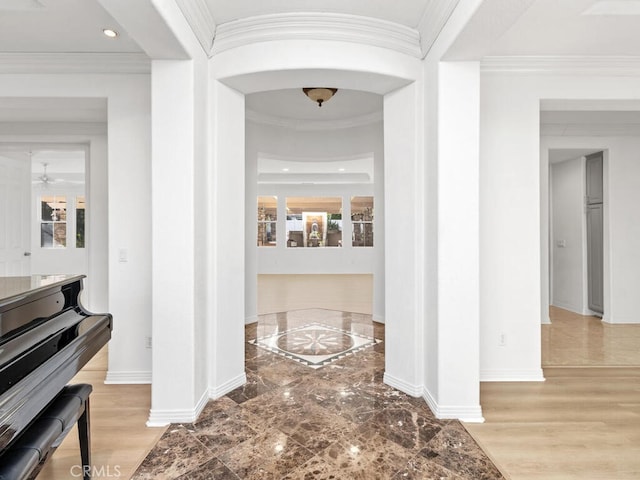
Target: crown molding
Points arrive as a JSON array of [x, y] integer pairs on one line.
[[53, 128], [62, 63], [570, 65], [435, 16], [317, 26], [201, 21], [313, 125], [590, 130]]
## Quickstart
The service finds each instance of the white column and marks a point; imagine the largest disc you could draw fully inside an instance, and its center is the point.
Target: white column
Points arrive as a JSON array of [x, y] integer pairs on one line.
[[173, 396], [404, 222], [226, 241], [458, 241]]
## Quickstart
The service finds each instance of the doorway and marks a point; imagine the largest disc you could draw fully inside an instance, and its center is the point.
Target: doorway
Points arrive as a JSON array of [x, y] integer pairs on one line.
[[576, 230], [44, 194]]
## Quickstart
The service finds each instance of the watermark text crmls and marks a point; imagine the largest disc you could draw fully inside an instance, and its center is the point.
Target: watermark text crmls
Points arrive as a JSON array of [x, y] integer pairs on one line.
[[96, 471]]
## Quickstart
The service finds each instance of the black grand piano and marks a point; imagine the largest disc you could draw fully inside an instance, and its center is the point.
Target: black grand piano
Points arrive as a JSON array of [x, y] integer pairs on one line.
[[46, 337]]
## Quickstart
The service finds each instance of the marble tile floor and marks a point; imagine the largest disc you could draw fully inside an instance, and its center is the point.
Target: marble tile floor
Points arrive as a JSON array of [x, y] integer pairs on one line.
[[339, 421]]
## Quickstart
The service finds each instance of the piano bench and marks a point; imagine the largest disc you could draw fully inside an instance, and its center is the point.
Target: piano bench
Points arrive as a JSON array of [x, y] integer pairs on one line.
[[26, 457]]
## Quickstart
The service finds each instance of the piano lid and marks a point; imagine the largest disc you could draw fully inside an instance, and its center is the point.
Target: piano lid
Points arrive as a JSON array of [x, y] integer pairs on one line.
[[12, 289]]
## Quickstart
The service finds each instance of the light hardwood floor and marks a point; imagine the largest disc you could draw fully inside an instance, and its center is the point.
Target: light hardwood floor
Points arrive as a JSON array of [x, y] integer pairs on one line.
[[582, 423], [119, 437]]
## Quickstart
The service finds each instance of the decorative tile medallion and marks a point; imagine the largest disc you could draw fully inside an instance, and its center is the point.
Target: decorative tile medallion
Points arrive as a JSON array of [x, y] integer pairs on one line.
[[315, 344]]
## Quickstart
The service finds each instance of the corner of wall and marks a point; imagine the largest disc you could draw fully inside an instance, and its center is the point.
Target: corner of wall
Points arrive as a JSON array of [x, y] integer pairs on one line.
[[162, 418], [225, 388], [470, 414]]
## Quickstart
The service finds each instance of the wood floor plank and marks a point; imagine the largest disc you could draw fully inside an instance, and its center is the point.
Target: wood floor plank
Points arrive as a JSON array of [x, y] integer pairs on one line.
[[583, 422]]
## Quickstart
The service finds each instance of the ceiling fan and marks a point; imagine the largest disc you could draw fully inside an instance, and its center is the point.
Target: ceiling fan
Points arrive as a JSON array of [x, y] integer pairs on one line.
[[44, 179]]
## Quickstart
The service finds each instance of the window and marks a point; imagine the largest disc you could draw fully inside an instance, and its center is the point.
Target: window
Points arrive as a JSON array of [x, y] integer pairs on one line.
[[53, 221], [80, 219], [267, 220], [362, 221], [314, 222]]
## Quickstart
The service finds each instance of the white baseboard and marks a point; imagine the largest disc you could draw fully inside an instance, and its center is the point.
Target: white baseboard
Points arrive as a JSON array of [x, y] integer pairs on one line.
[[507, 375], [377, 318], [469, 414], [250, 319], [221, 390], [162, 418], [126, 378], [621, 320], [568, 306], [408, 388]]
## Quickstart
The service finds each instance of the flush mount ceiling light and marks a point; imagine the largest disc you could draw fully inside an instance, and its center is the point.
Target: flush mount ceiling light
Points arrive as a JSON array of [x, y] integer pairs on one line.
[[319, 94], [110, 32]]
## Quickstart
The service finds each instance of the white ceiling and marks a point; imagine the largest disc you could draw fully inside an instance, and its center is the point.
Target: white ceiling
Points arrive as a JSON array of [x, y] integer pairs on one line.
[[499, 27], [551, 28], [404, 12], [29, 26]]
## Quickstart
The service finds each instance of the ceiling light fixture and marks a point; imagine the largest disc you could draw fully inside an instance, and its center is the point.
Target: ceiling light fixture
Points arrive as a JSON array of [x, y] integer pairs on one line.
[[110, 32], [319, 94]]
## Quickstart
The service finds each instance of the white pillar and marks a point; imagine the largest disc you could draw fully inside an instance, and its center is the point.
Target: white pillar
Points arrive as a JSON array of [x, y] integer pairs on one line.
[[173, 397], [404, 265], [458, 241], [226, 241]]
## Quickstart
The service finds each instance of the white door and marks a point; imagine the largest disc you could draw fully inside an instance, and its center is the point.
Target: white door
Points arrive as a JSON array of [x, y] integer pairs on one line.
[[15, 201]]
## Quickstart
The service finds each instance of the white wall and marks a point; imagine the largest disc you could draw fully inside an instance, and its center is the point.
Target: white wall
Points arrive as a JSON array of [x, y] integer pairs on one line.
[[567, 240], [129, 226], [514, 258], [336, 143], [622, 218]]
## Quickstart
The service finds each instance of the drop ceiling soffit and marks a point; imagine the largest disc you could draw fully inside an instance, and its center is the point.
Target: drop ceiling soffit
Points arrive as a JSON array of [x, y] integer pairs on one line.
[[563, 65], [62, 63]]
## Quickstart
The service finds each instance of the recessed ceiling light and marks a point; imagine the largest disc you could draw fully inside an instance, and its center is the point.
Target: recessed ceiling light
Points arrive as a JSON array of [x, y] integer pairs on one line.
[[341, 169], [285, 169], [109, 32]]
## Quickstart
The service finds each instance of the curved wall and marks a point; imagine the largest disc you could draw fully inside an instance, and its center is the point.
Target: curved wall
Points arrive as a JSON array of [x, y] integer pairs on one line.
[[287, 143]]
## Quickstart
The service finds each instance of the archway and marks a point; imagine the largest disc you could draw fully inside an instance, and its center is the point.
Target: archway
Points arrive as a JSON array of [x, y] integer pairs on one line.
[[403, 323]]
